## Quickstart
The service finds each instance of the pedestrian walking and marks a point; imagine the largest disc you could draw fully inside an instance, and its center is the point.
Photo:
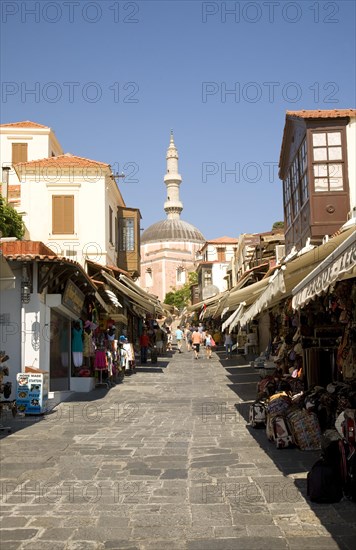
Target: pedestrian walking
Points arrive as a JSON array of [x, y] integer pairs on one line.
[[217, 337], [208, 344], [196, 340], [228, 344], [159, 341], [179, 338], [169, 339], [126, 354], [144, 343], [188, 338]]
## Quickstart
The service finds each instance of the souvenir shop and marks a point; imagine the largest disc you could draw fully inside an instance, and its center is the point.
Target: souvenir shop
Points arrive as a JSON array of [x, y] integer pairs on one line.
[[89, 348], [306, 396], [316, 339], [103, 348]]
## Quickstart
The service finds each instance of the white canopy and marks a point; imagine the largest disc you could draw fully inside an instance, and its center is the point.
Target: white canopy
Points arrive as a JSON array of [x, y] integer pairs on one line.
[[234, 317], [291, 274], [340, 264]]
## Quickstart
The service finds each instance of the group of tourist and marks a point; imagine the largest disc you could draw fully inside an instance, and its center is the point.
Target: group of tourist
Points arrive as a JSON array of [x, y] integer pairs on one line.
[[159, 339], [195, 337]]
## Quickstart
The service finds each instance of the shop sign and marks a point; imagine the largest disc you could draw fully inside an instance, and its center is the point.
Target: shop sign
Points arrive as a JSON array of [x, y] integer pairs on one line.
[[333, 272], [73, 298], [32, 393]]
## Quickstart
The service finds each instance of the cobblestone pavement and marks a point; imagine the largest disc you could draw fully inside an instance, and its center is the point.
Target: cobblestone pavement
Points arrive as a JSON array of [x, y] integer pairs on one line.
[[164, 461]]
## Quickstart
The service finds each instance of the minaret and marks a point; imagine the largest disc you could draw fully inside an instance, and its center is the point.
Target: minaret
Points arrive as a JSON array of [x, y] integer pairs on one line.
[[173, 206]]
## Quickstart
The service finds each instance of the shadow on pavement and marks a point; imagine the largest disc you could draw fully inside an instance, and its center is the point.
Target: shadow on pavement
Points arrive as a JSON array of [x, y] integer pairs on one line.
[[338, 519], [20, 421]]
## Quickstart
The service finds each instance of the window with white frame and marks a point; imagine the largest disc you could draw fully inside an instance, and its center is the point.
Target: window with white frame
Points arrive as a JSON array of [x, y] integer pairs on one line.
[[295, 185], [327, 161], [180, 275], [127, 234], [148, 277]]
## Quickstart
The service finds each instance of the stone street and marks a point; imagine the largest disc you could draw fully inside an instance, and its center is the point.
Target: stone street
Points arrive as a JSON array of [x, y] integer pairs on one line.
[[165, 460]]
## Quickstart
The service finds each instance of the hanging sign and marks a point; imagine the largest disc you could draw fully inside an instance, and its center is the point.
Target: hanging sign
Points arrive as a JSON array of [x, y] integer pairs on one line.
[[73, 298]]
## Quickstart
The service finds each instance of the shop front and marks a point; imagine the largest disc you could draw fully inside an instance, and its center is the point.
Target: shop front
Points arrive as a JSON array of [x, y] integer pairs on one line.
[[67, 361], [326, 302], [59, 358]]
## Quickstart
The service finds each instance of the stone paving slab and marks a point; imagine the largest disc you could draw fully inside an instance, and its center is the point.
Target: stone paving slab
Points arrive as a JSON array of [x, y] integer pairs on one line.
[[166, 460]]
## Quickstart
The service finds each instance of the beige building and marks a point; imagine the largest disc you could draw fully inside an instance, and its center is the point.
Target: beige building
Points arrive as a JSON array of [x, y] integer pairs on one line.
[[70, 203], [169, 247]]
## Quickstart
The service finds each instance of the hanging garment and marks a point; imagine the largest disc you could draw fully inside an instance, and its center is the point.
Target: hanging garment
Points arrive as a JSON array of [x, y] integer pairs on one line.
[[88, 345], [77, 337], [100, 360], [77, 358]]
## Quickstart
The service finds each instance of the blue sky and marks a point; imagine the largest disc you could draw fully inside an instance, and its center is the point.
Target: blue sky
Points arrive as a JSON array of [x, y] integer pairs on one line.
[[112, 78]]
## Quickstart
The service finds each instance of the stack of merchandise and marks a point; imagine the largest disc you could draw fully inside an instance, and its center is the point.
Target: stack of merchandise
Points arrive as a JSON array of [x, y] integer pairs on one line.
[[293, 416]]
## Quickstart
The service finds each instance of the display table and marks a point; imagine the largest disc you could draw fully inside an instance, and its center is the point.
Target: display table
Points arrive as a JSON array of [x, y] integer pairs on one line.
[[82, 384]]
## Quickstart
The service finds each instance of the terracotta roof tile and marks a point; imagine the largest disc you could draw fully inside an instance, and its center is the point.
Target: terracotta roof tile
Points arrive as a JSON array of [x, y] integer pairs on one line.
[[38, 252], [312, 114], [223, 240], [15, 248], [66, 160], [108, 267], [13, 192], [23, 124], [327, 113]]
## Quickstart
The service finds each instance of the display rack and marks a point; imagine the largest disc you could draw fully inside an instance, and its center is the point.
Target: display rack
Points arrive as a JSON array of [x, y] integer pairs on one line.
[[5, 389]]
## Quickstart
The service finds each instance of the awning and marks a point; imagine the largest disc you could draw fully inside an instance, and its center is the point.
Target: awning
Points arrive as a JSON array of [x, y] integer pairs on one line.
[[247, 294], [291, 274], [276, 287], [101, 301], [233, 319], [119, 318], [146, 295], [209, 301], [340, 264], [213, 309], [113, 298], [132, 295]]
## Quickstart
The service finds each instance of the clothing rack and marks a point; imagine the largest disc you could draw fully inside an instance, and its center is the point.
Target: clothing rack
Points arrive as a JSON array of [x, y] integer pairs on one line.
[[100, 364]]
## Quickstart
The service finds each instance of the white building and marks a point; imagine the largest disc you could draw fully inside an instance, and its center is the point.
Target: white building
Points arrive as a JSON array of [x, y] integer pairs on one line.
[[214, 259], [78, 199], [72, 206], [70, 203], [23, 142]]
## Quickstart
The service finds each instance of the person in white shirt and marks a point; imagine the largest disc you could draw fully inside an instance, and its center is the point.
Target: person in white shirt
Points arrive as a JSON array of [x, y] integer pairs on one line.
[[208, 344], [179, 338]]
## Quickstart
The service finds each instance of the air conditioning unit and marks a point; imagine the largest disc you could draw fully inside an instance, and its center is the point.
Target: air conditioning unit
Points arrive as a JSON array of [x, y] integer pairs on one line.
[[280, 252]]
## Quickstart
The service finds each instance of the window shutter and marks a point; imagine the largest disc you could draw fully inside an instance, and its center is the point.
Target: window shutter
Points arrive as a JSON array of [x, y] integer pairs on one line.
[[110, 225], [19, 152], [221, 255], [63, 214]]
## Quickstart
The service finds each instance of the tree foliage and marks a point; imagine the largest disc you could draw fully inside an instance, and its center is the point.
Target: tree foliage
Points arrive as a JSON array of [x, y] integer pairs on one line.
[[11, 224], [278, 225], [180, 298]]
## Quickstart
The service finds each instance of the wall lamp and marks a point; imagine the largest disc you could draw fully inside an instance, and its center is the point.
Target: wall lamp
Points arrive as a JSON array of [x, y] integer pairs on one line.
[[25, 286]]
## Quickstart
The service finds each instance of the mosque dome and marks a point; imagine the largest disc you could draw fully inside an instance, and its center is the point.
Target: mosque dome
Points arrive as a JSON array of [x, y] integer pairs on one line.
[[172, 230]]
